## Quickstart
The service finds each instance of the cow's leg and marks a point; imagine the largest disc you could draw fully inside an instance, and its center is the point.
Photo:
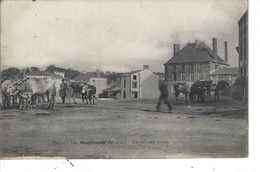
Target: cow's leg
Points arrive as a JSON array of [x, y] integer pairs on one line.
[[89, 99], [34, 96], [176, 96], [8, 100], [82, 97], [186, 94], [93, 99]]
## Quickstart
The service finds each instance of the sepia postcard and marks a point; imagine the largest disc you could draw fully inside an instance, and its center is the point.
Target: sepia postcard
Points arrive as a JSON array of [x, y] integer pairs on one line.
[[124, 79]]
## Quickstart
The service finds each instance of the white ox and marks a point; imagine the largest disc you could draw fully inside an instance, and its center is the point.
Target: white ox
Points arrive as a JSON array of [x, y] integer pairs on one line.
[[31, 87]]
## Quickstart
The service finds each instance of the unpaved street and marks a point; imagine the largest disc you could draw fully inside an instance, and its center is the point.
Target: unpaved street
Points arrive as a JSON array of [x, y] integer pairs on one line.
[[127, 129]]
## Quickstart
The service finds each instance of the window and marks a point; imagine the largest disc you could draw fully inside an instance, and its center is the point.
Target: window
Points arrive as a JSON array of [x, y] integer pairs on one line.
[[124, 95], [134, 84], [200, 67], [174, 68], [192, 76], [245, 72], [124, 82], [134, 77], [174, 76], [244, 51], [200, 75], [183, 67], [191, 67], [182, 76], [134, 94]]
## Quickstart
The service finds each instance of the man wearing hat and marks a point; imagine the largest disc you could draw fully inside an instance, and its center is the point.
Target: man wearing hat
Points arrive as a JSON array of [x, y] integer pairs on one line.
[[63, 88]]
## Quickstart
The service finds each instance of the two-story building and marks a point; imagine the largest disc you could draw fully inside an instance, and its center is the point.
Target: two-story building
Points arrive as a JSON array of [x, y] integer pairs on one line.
[[194, 62], [243, 45], [140, 84]]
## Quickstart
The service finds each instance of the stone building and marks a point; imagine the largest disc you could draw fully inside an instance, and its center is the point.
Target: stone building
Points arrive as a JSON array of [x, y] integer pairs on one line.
[[243, 45], [140, 84], [194, 62]]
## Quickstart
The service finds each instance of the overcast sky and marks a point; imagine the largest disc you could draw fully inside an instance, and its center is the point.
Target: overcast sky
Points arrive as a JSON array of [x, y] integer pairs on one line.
[[113, 35]]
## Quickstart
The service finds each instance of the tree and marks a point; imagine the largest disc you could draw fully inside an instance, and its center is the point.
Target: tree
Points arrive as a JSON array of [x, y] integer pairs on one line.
[[50, 68], [10, 72], [35, 69]]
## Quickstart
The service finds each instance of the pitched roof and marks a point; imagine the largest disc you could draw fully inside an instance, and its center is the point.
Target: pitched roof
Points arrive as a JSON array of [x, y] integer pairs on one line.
[[225, 71], [195, 52], [130, 73]]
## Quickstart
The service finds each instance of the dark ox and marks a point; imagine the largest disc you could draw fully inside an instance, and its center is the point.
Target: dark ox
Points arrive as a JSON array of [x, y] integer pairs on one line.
[[86, 91], [182, 87], [198, 90], [90, 92], [32, 87], [217, 87]]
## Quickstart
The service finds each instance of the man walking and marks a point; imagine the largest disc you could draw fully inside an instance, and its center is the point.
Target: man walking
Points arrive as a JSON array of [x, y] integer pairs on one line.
[[164, 95], [63, 88]]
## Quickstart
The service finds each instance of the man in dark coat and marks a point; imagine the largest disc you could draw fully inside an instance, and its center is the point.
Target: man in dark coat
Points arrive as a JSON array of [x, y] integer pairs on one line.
[[164, 95], [63, 88]]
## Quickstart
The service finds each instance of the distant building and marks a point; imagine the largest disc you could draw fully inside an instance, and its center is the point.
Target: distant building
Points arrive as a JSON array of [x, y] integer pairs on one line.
[[85, 77], [194, 62], [226, 74], [140, 84], [112, 92], [243, 45], [99, 83], [243, 57]]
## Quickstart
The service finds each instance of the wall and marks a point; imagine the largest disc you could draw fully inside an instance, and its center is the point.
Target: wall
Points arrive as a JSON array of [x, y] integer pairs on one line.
[[99, 83], [150, 87], [127, 88], [149, 84]]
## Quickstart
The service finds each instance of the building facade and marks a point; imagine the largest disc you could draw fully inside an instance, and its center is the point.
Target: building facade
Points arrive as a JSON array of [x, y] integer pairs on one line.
[[140, 84], [194, 62], [226, 74], [243, 46], [99, 83]]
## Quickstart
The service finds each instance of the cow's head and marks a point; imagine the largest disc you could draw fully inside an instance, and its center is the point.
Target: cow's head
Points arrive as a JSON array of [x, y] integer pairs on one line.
[[11, 90]]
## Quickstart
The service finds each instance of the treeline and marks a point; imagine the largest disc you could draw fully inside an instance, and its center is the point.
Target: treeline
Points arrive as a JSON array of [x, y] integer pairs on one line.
[[16, 73]]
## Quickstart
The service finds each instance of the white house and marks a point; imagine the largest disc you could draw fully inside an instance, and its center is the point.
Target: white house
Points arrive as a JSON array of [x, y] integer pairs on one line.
[[140, 84], [99, 83]]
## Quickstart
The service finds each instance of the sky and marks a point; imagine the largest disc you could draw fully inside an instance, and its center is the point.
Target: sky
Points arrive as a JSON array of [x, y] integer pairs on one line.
[[115, 36]]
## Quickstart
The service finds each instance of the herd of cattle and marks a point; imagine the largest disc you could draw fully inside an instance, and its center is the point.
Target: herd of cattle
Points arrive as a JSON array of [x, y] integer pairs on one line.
[[199, 89], [24, 92]]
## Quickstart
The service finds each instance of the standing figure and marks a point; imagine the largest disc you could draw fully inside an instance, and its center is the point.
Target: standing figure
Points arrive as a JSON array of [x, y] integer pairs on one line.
[[163, 96], [63, 88]]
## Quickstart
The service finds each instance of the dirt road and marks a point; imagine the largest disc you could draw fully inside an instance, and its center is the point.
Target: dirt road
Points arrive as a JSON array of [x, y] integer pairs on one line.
[[127, 129]]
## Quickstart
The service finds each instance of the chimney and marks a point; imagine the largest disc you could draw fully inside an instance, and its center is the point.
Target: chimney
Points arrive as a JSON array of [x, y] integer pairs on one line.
[[176, 49], [226, 52], [215, 51], [145, 67], [98, 73], [197, 42]]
